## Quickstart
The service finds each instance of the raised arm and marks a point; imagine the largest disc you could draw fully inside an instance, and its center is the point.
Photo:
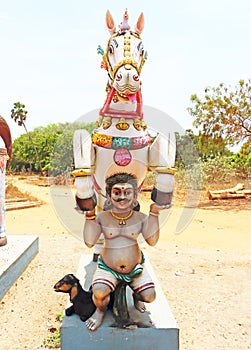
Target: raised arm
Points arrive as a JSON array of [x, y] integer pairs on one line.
[[150, 230], [92, 229]]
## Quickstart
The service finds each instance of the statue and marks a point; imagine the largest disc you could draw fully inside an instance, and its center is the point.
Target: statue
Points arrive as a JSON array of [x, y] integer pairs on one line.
[[121, 258], [122, 142], [5, 154]]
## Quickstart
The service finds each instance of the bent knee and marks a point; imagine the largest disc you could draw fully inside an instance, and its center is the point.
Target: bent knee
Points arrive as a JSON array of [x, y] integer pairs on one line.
[[148, 295], [101, 290]]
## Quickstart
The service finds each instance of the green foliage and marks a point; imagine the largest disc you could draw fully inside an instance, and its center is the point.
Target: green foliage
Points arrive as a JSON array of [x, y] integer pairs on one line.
[[212, 171], [224, 113], [186, 150], [18, 113], [53, 341], [59, 317], [245, 152], [209, 147], [61, 157], [202, 160], [188, 161], [218, 170], [241, 161], [191, 147], [150, 179], [54, 147], [190, 177]]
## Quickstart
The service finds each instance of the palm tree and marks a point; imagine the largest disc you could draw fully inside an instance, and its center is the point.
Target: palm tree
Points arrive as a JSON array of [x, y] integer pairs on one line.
[[18, 113]]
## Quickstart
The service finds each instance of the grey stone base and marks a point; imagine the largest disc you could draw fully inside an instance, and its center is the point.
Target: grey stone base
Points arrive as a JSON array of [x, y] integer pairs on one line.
[[159, 329], [14, 258]]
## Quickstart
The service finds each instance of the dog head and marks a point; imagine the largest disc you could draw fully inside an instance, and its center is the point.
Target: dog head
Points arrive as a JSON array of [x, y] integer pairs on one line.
[[66, 283]]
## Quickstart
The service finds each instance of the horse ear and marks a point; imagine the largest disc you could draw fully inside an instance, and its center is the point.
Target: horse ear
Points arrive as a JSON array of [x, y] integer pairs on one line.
[[140, 24], [110, 22]]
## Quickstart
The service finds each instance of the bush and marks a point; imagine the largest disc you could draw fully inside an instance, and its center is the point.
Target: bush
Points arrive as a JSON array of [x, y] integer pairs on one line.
[[212, 171]]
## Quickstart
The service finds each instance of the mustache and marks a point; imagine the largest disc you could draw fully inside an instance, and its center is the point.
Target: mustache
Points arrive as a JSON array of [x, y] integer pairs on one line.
[[121, 199]]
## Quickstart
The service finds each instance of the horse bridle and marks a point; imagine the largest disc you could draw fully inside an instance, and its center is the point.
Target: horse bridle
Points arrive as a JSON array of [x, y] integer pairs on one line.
[[127, 60]]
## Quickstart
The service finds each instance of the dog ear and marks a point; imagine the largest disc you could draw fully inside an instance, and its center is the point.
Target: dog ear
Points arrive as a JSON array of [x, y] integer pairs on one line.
[[74, 278]]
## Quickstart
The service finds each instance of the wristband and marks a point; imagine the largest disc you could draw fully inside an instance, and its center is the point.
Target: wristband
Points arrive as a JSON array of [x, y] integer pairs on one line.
[[153, 214], [93, 217]]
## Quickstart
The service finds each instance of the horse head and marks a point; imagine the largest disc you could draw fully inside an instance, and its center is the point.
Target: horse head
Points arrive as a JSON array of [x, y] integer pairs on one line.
[[124, 58]]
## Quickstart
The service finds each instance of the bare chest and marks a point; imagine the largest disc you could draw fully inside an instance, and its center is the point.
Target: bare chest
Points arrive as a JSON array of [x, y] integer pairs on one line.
[[113, 229]]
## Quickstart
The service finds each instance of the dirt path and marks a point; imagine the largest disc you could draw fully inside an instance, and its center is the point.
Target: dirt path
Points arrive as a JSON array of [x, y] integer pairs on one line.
[[205, 273]]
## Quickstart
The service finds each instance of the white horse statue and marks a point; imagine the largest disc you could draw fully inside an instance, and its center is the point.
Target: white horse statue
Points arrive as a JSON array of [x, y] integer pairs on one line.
[[122, 142]]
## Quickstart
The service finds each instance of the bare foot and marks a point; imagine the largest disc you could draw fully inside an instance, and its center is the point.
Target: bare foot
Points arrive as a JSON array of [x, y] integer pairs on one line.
[[95, 321], [139, 305], [3, 241]]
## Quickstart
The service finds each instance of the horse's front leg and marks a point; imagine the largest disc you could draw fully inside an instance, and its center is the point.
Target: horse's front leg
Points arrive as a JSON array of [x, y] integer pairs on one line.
[[161, 160], [162, 193], [85, 196], [84, 161]]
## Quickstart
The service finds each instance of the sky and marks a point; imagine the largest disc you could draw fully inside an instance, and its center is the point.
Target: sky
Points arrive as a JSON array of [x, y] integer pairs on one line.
[[49, 57]]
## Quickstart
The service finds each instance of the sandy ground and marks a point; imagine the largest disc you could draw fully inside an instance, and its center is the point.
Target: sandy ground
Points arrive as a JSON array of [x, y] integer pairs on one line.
[[205, 272]]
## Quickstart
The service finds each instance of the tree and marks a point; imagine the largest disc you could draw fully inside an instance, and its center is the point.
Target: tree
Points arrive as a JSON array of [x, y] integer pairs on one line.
[[54, 147], [191, 147], [19, 114], [242, 159], [187, 152], [224, 113], [61, 157], [211, 146]]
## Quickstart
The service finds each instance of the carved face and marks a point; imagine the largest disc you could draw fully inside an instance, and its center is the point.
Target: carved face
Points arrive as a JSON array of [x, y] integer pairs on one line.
[[125, 56], [122, 195]]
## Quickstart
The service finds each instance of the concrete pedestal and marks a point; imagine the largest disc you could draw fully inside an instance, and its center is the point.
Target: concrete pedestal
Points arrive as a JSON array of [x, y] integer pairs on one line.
[[14, 258], [159, 329]]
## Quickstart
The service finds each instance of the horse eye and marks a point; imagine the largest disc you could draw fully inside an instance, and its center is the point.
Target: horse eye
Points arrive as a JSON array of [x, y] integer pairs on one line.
[[118, 77], [111, 49], [142, 52], [136, 77]]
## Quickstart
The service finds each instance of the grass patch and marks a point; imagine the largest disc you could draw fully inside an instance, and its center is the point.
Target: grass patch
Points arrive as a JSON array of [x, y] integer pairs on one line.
[[53, 341]]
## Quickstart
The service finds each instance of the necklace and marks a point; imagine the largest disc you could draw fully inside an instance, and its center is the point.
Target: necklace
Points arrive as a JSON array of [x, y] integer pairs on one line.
[[122, 220]]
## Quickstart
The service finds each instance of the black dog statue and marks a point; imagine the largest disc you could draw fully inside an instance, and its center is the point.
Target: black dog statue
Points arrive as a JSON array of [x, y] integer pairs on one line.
[[82, 303]]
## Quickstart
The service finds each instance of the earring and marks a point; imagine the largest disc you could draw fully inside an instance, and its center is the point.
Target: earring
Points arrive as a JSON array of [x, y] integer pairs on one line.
[[108, 204], [135, 205], [108, 201]]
